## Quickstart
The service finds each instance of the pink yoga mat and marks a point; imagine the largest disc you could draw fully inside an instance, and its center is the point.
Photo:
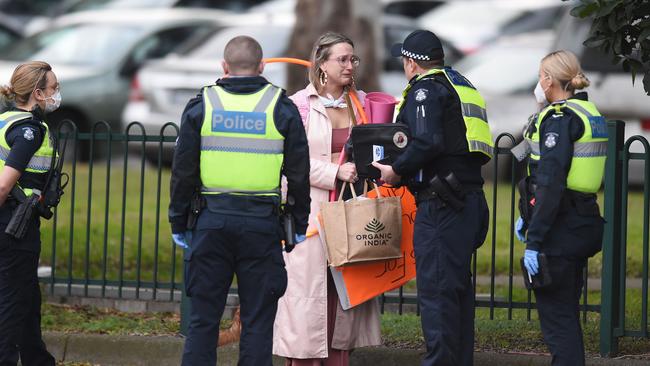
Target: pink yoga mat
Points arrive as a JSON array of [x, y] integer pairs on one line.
[[380, 107]]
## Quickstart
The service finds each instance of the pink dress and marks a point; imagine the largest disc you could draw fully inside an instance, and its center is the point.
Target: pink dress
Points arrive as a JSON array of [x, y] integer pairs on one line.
[[336, 357]]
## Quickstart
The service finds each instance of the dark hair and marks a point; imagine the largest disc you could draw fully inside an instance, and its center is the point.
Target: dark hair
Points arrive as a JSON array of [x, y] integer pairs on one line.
[[243, 53], [430, 64]]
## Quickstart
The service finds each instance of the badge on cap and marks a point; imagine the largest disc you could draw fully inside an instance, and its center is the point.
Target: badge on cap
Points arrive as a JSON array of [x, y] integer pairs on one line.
[[421, 94], [551, 139], [28, 133]]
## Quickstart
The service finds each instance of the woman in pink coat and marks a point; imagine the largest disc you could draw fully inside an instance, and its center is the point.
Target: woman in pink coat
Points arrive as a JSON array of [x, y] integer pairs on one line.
[[311, 328]]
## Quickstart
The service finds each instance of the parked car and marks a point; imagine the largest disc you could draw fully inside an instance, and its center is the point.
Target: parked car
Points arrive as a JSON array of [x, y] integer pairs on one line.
[[32, 15], [162, 88], [230, 5], [95, 55], [10, 31], [469, 25]]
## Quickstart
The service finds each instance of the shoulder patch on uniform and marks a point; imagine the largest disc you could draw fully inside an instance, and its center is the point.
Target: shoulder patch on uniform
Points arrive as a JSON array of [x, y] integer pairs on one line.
[[28, 133], [421, 94], [550, 139]]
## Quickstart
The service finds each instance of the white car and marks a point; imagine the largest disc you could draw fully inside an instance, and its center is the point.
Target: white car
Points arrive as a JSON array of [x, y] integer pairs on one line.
[[470, 25], [95, 55]]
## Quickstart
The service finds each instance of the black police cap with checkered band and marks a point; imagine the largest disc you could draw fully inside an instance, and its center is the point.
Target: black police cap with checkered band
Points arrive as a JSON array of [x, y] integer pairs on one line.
[[419, 45]]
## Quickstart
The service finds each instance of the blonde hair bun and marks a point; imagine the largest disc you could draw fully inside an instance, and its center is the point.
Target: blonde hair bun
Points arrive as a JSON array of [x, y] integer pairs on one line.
[[564, 67], [579, 81], [7, 92]]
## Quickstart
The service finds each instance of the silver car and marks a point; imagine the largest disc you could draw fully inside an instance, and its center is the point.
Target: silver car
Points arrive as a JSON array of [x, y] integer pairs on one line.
[[95, 55]]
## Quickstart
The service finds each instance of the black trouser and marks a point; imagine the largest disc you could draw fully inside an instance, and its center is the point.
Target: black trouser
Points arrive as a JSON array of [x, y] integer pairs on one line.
[[444, 240], [224, 245], [20, 309], [559, 315]]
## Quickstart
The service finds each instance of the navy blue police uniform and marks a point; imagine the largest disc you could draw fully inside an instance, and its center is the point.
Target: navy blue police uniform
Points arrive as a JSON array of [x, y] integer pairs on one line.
[[444, 238], [567, 227], [20, 295], [236, 235]]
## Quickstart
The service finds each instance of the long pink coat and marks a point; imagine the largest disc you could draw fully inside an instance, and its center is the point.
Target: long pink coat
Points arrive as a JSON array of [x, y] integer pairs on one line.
[[300, 329]]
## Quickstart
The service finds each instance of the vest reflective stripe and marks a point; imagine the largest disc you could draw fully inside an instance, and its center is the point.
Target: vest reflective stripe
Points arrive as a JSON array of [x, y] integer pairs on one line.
[[16, 116], [241, 153], [578, 108], [242, 192], [589, 153], [477, 129], [241, 144], [42, 158], [473, 110], [580, 149], [589, 149], [36, 163], [261, 106]]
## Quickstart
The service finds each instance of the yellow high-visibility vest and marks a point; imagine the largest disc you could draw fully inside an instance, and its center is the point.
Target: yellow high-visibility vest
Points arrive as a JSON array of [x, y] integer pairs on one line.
[[589, 151], [241, 150], [42, 159], [472, 104]]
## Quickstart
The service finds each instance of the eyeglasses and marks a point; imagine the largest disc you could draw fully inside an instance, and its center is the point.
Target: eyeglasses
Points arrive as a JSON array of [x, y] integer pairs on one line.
[[343, 60]]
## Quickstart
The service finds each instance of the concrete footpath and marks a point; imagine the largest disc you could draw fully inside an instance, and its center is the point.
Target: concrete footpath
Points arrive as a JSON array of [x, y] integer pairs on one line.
[[106, 350]]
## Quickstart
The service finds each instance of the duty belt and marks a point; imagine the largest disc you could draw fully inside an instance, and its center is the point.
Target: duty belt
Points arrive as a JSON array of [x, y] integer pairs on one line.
[[429, 193]]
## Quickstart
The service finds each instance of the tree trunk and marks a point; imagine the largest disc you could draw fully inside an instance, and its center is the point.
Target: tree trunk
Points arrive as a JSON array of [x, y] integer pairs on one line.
[[315, 17]]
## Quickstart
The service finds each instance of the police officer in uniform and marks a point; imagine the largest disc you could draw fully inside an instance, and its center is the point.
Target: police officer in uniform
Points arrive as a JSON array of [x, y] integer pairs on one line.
[[567, 146], [236, 140], [450, 141], [26, 154]]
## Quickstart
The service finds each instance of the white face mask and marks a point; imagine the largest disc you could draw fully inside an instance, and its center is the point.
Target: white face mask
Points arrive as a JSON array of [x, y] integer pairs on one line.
[[540, 97], [54, 105]]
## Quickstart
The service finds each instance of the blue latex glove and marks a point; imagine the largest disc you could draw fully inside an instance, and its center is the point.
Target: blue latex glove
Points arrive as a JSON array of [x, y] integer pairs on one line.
[[183, 240], [520, 230], [530, 261], [300, 238]]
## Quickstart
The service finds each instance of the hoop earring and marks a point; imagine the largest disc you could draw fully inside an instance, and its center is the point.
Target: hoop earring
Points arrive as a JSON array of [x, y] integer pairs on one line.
[[322, 78]]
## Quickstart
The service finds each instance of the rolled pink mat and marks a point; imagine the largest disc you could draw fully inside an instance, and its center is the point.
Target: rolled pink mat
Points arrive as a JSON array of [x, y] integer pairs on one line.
[[380, 107]]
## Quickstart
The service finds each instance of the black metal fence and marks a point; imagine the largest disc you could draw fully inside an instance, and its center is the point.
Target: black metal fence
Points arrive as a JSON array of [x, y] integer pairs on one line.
[[110, 238], [616, 313], [110, 233]]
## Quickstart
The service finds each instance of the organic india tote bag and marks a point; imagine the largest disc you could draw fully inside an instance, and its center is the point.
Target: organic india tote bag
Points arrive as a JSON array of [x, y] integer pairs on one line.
[[362, 229]]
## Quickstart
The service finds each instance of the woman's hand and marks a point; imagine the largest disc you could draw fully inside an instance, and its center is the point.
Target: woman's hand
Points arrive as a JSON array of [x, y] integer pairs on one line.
[[347, 173]]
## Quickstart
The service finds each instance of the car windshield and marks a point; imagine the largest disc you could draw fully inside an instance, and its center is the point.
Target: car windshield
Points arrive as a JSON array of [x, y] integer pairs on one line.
[[274, 41], [482, 68], [87, 45]]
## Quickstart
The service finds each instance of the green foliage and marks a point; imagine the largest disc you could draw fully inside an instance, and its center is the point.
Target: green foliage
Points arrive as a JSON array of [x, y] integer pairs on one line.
[[620, 28]]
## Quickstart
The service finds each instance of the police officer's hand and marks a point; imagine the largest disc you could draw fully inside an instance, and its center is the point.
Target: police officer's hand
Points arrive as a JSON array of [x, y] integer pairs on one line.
[[182, 239], [520, 229], [347, 173], [387, 173], [530, 261]]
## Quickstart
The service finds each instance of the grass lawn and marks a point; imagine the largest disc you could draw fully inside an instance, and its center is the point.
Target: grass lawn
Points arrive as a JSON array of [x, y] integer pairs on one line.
[[400, 331], [119, 225]]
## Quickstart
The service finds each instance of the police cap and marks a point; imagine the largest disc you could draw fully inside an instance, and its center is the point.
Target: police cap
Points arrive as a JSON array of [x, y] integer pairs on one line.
[[419, 45]]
